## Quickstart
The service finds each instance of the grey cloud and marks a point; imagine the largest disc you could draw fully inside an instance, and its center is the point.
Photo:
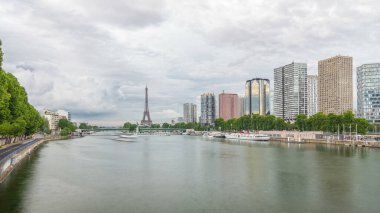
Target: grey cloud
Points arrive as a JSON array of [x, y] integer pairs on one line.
[[94, 58], [25, 67]]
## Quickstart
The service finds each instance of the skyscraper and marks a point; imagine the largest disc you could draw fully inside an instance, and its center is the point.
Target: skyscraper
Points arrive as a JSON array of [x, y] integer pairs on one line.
[[290, 91], [241, 106], [190, 112], [208, 109], [368, 83], [335, 85], [312, 94], [257, 96], [228, 106]]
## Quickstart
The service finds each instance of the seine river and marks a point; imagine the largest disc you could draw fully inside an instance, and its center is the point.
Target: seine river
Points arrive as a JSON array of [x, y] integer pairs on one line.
[[192, 174]]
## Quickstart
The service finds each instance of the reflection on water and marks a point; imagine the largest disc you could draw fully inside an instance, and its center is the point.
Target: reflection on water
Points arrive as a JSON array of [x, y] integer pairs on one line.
[[193, 174]]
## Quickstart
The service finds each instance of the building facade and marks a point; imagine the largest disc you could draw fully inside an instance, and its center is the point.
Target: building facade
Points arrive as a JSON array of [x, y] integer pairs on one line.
[[335, 85], [368, 90], [290, 91], [53, 118], [189, 112], [228, 106], [312, 95], [257, 96], [65, 114], [208, 109], [241, 106]]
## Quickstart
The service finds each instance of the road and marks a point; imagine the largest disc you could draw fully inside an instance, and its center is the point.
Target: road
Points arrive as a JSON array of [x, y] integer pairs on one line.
[[9, 150]]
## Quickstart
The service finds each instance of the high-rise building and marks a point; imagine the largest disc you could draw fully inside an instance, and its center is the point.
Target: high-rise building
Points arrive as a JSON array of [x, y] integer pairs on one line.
[[312, 95], [208, 109], [257, 96], [368, 83], [241, 106], [189, 112], [290, 91], [228, 106], [335, 85]]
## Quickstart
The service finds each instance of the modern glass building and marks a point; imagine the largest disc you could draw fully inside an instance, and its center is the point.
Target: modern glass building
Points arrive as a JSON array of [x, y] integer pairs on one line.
[[290, 91], [208, 109], [312, 94], [257, 96], [189, 112], [368, 83]]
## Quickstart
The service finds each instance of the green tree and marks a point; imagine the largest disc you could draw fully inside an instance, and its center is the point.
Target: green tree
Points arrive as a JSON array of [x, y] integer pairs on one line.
[[45, 127], [65, 131], [318, 121], [155, 126], [165, 125], [362, 125], [131, 127], [302, 122], [219, 124], [66, 126]]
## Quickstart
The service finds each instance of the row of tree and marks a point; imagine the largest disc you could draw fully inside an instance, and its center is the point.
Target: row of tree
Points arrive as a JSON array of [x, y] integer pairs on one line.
[[333, 123], [343, 123], [18, 118], [253, 122]]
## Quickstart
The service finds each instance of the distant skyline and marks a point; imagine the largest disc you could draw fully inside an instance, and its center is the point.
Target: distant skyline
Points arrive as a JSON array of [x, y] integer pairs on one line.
[[94, 58]]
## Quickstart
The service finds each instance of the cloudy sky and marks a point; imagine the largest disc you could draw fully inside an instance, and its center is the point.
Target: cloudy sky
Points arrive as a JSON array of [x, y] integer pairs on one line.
[[94, 57]]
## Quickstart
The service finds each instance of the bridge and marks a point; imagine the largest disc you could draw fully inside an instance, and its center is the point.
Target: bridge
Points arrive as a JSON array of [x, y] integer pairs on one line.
[[141, 129]]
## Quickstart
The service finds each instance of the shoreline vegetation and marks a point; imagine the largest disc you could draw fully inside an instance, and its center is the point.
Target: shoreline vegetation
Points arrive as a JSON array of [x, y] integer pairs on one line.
[[331, 123], [18, 118]]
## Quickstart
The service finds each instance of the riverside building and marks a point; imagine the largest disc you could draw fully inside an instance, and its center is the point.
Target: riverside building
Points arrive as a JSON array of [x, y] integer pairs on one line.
[[368, 90], [241, 109], [290, 91], [228, 106], [189, 112], [312, 95], [53, 118], [335, 85], [208, 109], [257, 96]]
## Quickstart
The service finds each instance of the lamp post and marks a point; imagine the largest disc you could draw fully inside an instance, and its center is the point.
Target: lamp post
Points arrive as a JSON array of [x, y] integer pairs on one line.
[[350, 134], [338, 133]]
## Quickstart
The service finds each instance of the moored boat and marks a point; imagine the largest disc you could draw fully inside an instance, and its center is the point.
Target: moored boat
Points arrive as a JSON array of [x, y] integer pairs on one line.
[[131, 136], [248, 136]]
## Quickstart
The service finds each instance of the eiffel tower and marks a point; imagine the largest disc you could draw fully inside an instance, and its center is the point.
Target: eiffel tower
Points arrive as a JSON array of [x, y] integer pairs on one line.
[[146, 117]]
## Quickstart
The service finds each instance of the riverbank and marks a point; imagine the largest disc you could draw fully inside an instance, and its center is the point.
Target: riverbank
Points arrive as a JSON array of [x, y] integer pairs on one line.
[[13, 155]]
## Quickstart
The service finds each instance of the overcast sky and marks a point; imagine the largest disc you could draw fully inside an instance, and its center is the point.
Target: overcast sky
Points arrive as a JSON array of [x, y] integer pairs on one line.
[[94, 57]]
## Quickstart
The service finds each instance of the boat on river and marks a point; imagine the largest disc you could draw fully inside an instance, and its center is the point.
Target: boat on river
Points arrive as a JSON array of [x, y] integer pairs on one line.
[[129, 136], [248, 136], [214, 135]]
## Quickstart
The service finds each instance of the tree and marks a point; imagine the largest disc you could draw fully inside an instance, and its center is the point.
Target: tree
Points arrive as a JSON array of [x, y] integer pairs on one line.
[[45, 127], [301, 122], [165, 125], [1, 56], [17, 117], [156, 126], [65, 131], [131, 127], [66, 127], [219, 124], [362, 125], [318, 121]]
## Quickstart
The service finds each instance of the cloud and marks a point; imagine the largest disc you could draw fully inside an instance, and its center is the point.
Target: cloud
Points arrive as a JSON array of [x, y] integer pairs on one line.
[[94, 58]]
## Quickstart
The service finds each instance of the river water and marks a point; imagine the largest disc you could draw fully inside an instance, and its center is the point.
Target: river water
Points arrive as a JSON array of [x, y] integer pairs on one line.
[[192, 174]]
